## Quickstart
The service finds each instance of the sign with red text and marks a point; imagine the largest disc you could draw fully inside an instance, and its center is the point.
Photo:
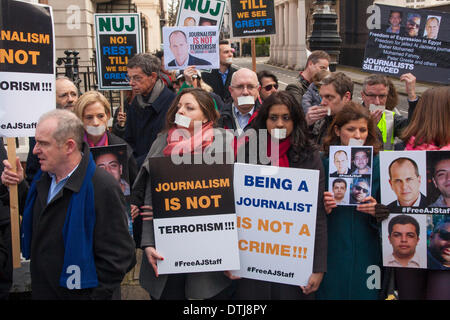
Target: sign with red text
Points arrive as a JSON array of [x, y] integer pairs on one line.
[[118, 38], [27, 68], [276, 222], [194, 216]]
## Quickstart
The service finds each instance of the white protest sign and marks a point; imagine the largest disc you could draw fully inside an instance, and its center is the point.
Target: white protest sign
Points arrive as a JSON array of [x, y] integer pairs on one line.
[[27, 68], [201, 13], [191, 46], [276, 222]]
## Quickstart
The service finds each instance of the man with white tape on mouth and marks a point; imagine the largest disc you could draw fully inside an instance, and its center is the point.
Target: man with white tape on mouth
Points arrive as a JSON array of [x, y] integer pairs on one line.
[[238, 114]]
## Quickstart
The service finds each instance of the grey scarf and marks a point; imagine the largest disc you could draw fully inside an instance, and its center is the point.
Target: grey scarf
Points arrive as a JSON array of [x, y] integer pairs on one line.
[[156, 91]]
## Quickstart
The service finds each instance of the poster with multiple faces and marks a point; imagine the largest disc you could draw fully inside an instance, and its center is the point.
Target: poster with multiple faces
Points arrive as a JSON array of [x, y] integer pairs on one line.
[[350, 177], [415, 186]]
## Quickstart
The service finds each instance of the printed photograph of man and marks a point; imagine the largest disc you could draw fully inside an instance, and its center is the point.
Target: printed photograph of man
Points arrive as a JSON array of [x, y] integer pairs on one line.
[[404, 236], [395, 20], [412, 25], [360, 189], [205, 22], [340, 160], [441, 181], [361, 158], [180, 49], [439, 246], [339, 188], [432, 27], [189, 22], [405, 180]]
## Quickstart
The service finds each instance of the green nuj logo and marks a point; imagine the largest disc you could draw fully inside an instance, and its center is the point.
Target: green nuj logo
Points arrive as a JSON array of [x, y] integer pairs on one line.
[[203, 6], [117, 24]]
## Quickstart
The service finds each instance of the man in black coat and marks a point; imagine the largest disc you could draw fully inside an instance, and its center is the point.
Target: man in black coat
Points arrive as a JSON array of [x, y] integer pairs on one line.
[[65, 164], [220, 79]]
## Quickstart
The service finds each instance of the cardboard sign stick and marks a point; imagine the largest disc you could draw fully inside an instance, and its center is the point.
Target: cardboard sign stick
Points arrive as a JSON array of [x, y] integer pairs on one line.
[[253, 55], [14, 206]]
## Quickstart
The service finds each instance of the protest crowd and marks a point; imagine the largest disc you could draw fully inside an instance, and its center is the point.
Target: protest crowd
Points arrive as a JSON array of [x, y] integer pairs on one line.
[[77, 211]]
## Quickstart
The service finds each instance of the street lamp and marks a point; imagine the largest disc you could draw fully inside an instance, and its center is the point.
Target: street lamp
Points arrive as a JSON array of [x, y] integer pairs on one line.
[[324, 35]]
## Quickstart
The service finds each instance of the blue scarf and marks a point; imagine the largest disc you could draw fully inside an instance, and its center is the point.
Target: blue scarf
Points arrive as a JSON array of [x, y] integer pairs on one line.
[[79, 270]]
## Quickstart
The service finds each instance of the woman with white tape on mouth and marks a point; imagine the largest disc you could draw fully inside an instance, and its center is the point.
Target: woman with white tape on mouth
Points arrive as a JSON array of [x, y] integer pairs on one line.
[[191, 108], [94, 110], [353, 232], [284, 120]]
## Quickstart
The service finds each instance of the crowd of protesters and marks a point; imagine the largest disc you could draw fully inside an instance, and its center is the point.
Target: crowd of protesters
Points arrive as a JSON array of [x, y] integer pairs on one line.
[[73, 211]]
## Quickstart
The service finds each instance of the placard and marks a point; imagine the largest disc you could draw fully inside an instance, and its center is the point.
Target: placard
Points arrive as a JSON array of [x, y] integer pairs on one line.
[[276, 222], [201, 13], [118, 38], [253, 18], [416, 188], [194, 216], [27, 68], [403, 40], [350, 177], [191, 46]]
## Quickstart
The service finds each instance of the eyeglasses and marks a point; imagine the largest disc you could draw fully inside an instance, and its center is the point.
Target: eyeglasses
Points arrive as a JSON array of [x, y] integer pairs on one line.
[[358, 188], [134, 78], [241, 87], [270, 86], [444, 234], [413, 24], [374, 96]]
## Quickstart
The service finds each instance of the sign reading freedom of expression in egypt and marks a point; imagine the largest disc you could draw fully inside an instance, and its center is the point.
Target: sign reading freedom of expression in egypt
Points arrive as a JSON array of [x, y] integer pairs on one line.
[[276, 210], [253, 18], [201, 13], [118, 38], [27, 70], [194, 216], [403, 40]]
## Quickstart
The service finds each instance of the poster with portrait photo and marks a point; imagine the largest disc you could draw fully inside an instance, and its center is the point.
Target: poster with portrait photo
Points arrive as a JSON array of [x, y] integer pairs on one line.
[[438, 250], [438, 181], [432, 27], [113, 159], [353, 164], [191, 46], [403, 180], [404, 241]]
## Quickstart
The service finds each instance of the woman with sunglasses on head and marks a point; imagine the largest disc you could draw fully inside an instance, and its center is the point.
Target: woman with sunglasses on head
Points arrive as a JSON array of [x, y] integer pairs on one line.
[[353, 232], [194, 107], [429, 129], [283, 119]]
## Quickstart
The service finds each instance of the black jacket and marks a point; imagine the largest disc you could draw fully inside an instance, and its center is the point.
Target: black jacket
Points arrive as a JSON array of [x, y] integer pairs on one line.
[[214, 80], [114, 249]]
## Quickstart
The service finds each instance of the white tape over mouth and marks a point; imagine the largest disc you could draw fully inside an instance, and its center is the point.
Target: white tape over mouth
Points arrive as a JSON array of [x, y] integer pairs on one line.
[[374, 107], [182, 121], [96, 131], [279, 134], [246, 100], [356, 142], [229, 60]]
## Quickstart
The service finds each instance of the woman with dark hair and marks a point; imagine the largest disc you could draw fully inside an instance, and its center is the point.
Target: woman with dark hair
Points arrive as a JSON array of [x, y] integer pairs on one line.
[[353, 232], [191, 109], [429, 129], [283, 119]]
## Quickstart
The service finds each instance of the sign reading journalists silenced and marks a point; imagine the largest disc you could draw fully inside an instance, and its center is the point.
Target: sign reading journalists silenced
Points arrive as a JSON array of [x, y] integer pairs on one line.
[[27, 71], [403, 40], [118, 38], [276, 210], [194, 217]]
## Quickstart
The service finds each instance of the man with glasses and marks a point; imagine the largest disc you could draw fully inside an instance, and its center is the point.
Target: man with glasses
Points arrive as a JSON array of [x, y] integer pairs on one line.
[[375, 91], [147, 113], [405, 180], [268, 84], [359, 191], [439, 248], [238, 114]]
